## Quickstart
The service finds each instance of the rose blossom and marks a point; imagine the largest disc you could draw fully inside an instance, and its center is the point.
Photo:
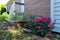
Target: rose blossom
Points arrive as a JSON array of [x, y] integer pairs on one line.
[[46, 19], [39, 19], [49, 18], [38, 27], [49, 25]]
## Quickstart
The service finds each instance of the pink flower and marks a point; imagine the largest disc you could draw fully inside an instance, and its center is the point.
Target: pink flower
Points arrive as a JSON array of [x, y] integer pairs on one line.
[[49, 18], [46, 19], [39, 19], [38, 27], [49, 25]]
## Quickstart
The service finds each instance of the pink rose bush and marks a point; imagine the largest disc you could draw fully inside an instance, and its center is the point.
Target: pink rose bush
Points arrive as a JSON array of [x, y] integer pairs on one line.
[[41, 26]]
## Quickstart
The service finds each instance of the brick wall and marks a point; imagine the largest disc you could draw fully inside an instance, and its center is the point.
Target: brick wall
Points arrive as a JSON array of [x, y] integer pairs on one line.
[[39, 7]]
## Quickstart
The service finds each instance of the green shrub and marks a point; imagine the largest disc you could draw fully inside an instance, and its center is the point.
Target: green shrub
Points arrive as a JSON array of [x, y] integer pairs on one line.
[[4, 16], [57, 37], [18, 17], [29, 24], [31, 17], [4, 24]]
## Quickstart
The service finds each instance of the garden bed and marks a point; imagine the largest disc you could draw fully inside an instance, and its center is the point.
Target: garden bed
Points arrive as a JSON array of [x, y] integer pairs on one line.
[[37, 29], [52, 36], [34, 35]]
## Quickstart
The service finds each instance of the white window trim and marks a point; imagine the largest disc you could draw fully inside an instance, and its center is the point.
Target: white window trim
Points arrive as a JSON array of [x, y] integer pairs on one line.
[[52, 11]]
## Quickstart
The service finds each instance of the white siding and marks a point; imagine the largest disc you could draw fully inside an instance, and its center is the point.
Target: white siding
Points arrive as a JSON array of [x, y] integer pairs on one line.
[[55, 14], [57, 1], [55, 11]]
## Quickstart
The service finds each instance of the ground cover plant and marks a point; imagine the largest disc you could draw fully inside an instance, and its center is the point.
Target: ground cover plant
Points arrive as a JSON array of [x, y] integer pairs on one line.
[[17, 34]]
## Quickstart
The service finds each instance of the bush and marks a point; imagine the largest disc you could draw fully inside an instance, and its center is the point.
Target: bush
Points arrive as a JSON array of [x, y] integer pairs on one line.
[[40, 26], [29, 24], [4, 24], [32, 17], [18, 17], [15, 35], [4, 16]]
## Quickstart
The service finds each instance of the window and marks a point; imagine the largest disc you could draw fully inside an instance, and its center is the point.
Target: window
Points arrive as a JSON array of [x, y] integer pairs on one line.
[[22, 6], [22, 1]]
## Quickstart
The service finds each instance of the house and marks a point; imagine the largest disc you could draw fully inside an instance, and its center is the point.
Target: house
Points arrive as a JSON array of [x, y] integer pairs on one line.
[[46, 8], [16, 6]]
